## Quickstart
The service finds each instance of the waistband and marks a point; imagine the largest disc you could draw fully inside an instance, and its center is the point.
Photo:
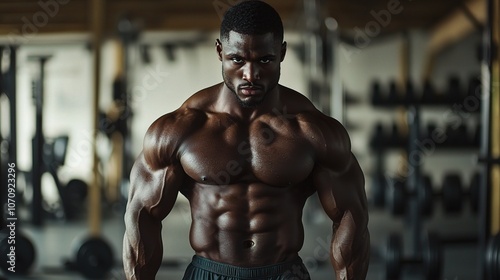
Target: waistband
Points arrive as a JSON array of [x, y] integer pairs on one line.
[[247, 272]]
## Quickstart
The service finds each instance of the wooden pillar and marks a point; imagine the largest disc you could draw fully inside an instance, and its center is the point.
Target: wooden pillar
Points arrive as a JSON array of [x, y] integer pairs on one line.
[[96, 13], [495, 119]]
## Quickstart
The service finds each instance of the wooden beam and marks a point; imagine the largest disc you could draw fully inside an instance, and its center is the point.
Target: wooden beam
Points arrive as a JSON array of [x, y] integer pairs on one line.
[[412, 14], [452, 29], [24, 19], [73, 15]]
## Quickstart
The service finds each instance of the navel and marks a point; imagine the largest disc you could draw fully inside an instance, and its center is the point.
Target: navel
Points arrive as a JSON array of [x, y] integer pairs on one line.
[[248, 244]]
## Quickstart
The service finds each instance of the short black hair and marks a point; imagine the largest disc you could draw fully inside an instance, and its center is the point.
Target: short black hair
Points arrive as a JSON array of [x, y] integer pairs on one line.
[[252, 18]]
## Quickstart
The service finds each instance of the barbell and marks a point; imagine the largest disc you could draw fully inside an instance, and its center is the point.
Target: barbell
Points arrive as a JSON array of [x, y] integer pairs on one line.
[[430, 257], [17, 252], [93, 257]]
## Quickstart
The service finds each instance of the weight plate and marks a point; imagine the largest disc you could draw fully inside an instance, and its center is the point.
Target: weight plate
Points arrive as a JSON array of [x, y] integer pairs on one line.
[[74, 193], [452, 194], [432, 256], [76, 190], [94, 258], [22, 257], [492, 262], [393, 256], [376, 93], [396, 197]]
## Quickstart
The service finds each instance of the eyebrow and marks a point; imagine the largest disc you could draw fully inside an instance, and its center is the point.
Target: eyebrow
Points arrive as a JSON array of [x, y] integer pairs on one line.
[[270, 56]]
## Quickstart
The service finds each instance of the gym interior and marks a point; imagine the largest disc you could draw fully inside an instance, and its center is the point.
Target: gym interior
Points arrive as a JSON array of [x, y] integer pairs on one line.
[[415, 83]]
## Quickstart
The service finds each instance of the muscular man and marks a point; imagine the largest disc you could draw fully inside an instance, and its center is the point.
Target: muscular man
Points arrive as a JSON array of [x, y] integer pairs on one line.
[[247, 153]]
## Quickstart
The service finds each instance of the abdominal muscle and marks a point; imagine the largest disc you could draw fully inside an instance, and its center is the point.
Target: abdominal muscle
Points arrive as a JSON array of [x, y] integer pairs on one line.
[[246, 225]]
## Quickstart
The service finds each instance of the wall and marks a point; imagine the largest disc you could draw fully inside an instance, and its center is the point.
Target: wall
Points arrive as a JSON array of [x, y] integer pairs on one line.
[[380, 60], [162, 85]]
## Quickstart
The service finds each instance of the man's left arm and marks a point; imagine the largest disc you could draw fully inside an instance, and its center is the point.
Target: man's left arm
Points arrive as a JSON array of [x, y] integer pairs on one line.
[[343, 198]]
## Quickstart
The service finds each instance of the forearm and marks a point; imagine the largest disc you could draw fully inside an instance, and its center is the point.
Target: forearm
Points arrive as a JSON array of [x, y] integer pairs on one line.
[[142, 247], [350, 250]]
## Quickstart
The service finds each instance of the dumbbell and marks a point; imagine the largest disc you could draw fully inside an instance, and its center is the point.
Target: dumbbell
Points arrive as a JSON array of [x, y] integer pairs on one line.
[[394, 96], [492, 258], [382, 139], [473, 96], [456, 136], [430, 257], [452, 94], [431, 132], [397, 196], [454, 90], [428, 93], [410, 93], [377, 97], [396, 138], [452, 195], [378, 138]]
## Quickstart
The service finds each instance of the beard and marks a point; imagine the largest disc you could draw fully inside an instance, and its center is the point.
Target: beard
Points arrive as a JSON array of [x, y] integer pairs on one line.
[[250, 103]]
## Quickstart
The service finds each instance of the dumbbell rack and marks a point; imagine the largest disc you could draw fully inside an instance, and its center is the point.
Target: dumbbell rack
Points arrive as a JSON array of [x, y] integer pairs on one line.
[[425, 249]]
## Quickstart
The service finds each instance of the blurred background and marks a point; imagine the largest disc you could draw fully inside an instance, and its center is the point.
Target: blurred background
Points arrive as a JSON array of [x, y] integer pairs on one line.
[[416, 84]]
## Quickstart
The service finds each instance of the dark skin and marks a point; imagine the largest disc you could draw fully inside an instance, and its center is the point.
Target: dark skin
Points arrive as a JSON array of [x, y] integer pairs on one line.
[[247, 153]]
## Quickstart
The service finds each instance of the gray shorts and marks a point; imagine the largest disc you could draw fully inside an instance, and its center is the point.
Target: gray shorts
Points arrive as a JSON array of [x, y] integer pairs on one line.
[[204, 269]]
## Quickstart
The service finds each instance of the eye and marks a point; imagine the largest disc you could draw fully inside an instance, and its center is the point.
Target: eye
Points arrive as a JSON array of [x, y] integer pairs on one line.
[[265, 60], [237, 60]]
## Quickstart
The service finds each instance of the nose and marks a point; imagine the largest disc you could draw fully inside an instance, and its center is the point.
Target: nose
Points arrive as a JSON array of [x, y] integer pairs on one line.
[[251, 72]]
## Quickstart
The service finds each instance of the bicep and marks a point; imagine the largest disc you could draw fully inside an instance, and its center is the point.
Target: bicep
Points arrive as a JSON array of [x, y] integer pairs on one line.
[[341, 192], [153, 189], [344, 199]]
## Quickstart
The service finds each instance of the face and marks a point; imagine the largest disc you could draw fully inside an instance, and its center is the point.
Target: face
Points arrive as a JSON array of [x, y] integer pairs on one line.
[[251, 65]]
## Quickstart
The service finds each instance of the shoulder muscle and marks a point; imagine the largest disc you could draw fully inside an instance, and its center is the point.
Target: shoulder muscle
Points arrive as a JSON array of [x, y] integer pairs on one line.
[[163, 138], [330, 140]]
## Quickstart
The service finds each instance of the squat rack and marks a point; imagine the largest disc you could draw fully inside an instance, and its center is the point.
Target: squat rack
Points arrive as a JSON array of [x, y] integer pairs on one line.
[[489, 207]]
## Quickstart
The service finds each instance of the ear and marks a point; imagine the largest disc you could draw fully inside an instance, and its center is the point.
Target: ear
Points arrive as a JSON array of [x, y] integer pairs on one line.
[[283, 51], [218, 48]]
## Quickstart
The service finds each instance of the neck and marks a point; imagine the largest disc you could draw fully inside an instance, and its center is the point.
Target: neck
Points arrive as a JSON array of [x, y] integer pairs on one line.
[[227, 102]]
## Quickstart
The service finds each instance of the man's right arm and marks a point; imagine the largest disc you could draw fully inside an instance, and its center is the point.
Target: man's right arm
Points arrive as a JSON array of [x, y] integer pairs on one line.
[[155, 180]]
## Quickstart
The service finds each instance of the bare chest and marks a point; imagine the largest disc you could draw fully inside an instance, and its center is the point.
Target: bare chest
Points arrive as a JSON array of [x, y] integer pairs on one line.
[[255, 152]]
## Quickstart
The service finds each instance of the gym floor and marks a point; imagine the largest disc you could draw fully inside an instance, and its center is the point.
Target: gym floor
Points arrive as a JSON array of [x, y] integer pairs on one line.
[[55, 242]]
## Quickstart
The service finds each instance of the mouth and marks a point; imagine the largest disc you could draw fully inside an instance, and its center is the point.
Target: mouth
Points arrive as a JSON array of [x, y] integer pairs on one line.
[[250, 90]]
